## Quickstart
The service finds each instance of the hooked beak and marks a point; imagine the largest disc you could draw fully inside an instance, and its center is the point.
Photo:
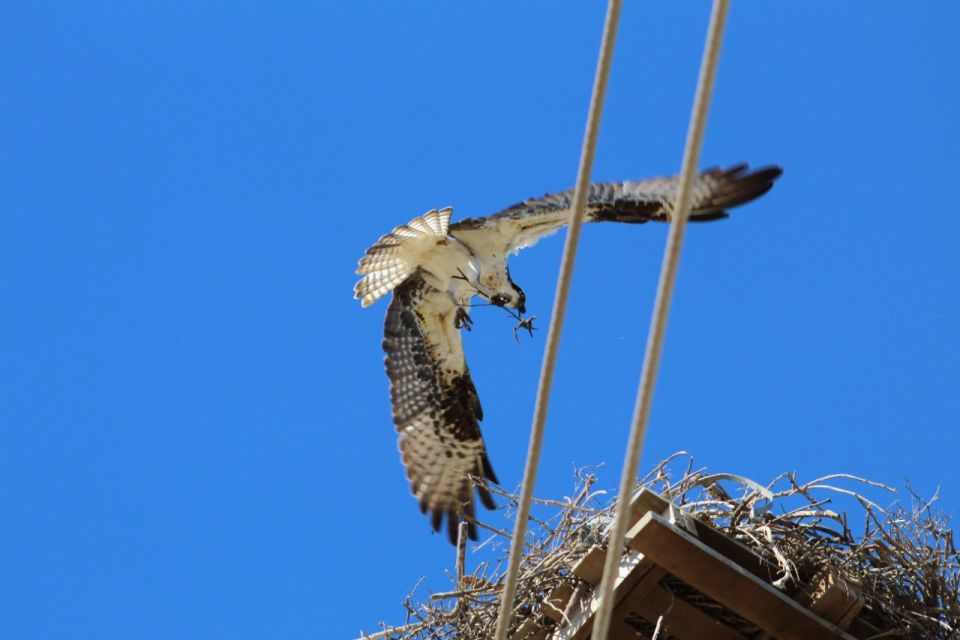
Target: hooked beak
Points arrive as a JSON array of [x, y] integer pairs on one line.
[[501, 300]]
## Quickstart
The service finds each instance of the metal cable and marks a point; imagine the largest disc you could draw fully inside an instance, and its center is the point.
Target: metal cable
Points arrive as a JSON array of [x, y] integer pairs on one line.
[[559, 311], [668, 276]]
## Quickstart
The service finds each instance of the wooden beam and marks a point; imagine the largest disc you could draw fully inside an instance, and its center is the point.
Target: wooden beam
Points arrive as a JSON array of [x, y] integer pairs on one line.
[[645, 501], [556, 602], [590, 567], [836, 599], [619, 629], [530, 630], [736, 551], [633, 571], [719, 578], [681, 619]]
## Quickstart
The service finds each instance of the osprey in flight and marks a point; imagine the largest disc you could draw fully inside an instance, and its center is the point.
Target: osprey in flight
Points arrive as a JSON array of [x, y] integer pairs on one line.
[[435, 269]]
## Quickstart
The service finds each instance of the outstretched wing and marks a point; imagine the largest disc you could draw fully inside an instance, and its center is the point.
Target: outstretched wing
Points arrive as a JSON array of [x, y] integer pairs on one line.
[[714, 190], [435, 405]]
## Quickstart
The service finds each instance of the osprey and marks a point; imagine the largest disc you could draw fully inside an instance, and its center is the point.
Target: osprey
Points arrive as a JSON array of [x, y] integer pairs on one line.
[[435, 269]]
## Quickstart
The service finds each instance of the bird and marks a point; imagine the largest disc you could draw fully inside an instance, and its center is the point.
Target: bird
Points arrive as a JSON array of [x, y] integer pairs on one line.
[[435, 268]]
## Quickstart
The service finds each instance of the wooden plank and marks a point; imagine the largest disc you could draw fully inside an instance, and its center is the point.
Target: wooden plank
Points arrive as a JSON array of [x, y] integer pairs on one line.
[[530, 630], [643, 502], [728, 583], [633, 569], [736, 551], [646, 501], [836, 599], [556, 602], [860, 628], [618, 624], [621, 630], [682, 619], [590, 567]]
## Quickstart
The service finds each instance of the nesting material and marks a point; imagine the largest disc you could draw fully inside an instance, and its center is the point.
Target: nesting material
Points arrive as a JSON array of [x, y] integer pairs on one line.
[[869, 571]]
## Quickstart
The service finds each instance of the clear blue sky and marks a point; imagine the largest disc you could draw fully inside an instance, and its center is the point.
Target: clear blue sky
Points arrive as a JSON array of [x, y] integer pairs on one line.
[[195, 432]]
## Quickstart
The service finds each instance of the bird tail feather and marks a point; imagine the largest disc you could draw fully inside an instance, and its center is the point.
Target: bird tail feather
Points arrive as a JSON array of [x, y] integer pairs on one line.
[[388, 263]]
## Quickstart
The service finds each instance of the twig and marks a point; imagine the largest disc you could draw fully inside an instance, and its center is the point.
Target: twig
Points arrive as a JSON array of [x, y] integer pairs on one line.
[[386, 633]]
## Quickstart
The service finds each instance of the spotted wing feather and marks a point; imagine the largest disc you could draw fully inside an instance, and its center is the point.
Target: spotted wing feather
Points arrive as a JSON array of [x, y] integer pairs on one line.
[[714, 190], [436, 409]]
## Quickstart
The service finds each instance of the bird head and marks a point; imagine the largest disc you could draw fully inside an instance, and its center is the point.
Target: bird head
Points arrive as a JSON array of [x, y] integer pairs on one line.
[[514, 298]]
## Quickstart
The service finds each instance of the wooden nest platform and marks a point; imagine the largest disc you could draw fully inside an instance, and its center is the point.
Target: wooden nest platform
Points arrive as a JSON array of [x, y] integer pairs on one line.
[[701, 564]]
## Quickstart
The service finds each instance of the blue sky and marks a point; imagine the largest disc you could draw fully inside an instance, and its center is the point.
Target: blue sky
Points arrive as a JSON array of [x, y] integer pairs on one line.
[[195, 432]]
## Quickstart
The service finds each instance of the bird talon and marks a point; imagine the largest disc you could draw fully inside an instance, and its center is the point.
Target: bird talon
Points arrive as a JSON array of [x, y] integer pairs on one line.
[[462, 320]]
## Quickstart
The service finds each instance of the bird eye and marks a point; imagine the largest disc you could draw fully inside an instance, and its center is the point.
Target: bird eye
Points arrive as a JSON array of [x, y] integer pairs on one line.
[[499, 300]]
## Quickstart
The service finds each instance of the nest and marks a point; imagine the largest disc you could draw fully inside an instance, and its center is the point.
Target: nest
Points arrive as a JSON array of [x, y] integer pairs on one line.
[[902, 557]]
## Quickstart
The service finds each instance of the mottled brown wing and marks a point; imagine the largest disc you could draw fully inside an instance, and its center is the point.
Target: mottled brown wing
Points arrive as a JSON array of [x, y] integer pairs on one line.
[[435, 405], [634, 201]]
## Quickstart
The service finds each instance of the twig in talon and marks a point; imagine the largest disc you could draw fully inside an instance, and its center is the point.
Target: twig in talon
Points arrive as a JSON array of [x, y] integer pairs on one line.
[[524, 324]]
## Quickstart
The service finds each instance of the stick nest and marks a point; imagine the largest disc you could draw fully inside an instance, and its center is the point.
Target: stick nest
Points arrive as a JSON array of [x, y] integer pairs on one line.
[[903, 556]]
